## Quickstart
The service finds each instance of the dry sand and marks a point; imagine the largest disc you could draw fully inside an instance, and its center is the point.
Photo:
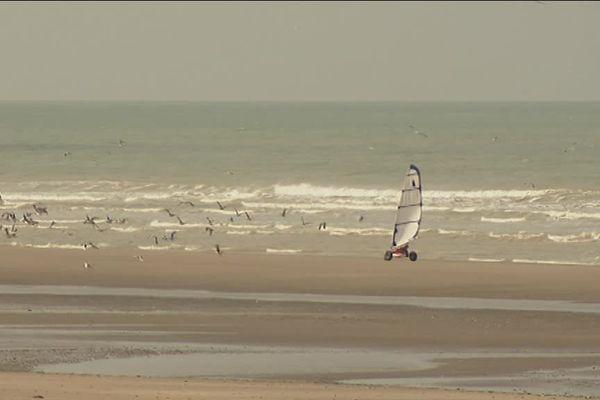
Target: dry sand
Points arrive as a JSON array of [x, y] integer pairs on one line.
[[38, 329]]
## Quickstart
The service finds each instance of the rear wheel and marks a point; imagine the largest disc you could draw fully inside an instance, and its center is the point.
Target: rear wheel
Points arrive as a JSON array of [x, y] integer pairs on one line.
[[388, 256], [412, 256]]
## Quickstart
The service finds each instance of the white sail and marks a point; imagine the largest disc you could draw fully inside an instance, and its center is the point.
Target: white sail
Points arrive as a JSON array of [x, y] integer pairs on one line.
[[408, 216]]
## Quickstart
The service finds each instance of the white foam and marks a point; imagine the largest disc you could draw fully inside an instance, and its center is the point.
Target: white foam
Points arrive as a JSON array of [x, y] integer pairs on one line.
[[192, 248], [583, 237], [316, 207], [553, 262], [143, 210], [219, 211], [55, 246], [521, 235], [212, 194], [454, 232], [11, 205], [86, 208], [58, 197], [491, 260], [569, 215], [463, 210], [126, 229], [502, 220], [486, 194], [154, 247], [283, 251], [247, 226], [359, 231], [159, 224], [153, 196]]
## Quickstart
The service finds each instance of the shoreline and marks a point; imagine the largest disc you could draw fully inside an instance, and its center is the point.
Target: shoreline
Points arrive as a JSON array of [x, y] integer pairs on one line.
[[321, 319], [298, 273]]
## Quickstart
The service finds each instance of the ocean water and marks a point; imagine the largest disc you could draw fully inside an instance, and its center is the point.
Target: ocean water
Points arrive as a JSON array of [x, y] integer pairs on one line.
[[502, 181]]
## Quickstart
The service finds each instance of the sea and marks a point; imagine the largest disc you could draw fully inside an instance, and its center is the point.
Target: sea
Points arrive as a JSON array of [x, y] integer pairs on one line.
[[502, 181]]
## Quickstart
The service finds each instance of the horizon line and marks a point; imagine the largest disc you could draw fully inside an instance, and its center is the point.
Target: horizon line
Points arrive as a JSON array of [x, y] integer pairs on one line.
[[284, 101]]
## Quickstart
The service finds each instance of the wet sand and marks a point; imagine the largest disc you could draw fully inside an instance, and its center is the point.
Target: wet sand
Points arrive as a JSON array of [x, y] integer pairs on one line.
[[298, 323]]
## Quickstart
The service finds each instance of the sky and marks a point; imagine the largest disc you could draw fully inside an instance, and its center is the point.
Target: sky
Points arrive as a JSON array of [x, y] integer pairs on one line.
[[300, 51]]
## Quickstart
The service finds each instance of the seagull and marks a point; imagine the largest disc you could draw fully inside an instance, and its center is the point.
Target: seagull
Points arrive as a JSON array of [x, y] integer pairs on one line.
[[87, 265], [40, 210], [67, 153], [180, 221], [109, 220], [89, 245], [323, 226], [209, 230], [89, 220], [416, 131], [220, 205], [121, 221], [169, 212], [360, 219], [155, 240], [218, 249], [284, 212], [139, 258], [247, 216], [51, 224], [237, 213], [10, 234], [187, 202], [121, 143], [495, 139], [28, 220], [172, 236], [9, 216], [210, 221]]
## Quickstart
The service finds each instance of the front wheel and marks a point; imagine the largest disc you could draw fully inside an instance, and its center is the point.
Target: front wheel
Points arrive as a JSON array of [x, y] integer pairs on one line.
[[388, 256], [412, 256]]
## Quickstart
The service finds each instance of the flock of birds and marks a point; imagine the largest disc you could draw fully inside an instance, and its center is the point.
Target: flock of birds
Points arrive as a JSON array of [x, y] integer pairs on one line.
[[29, 218]]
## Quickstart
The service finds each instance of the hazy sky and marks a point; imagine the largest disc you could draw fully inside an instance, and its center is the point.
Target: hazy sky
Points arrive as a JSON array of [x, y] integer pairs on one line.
[[300, 51]]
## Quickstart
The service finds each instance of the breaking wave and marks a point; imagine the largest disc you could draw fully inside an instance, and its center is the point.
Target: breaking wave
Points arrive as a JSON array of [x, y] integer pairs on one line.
[[502, 220]]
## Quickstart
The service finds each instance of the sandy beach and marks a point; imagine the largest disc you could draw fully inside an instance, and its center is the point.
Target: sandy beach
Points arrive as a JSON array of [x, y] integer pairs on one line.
[[290, 326]]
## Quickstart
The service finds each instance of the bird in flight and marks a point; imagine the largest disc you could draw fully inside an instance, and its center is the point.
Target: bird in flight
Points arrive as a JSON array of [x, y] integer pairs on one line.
[[417, 131]]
